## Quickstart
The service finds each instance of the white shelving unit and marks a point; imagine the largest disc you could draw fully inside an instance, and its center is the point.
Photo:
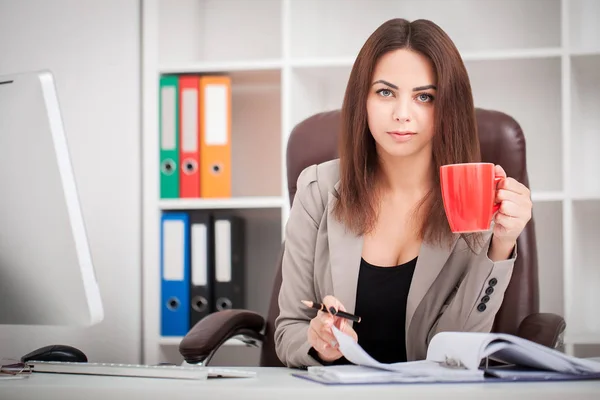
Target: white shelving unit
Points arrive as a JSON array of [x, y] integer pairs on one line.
[[537, 60]]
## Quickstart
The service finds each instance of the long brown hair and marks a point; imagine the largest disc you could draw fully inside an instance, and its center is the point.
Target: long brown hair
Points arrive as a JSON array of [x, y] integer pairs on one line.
[[455, 139]]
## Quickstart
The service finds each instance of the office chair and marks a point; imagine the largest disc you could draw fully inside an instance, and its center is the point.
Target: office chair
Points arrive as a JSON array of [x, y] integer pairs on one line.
[[314, 141]]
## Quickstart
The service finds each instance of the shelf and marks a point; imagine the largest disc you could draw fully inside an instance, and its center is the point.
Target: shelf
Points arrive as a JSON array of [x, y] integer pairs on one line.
[[174, 341], [512, 54], [586, 196], [509, 54], [537, 61], [585, 271], [246, 77], [537, 196], [256, 148], [584, 25], [548, 219], [585, 126], [529, 90], [255, 127], [329, 28], [208, 30], [584, 53], [255, 130], [170, 341], [263, 246], [278, 202], [231, 66], [326, 62], [320, 87], [233, 203]]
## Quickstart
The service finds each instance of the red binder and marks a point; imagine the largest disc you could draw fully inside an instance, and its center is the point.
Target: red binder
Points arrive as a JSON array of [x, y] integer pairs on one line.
[[189, 136]]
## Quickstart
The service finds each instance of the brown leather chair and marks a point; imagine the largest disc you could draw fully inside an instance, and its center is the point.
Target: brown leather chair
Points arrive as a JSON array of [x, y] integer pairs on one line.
[[313, 141]]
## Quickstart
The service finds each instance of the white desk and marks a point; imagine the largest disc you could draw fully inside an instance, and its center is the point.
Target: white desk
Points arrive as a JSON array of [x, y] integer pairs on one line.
[[275, 383]]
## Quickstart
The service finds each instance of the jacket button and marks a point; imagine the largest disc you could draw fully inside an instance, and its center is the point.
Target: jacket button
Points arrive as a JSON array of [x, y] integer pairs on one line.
[[493, 282], [485, 299], [481, 307], [489, 290]]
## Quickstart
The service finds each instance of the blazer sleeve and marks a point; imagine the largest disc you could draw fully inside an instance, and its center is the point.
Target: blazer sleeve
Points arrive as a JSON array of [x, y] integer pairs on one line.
[[473, 305], [291, 326]]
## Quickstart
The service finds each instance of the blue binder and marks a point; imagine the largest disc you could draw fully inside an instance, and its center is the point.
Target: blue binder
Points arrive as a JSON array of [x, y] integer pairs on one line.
[[175, 275]]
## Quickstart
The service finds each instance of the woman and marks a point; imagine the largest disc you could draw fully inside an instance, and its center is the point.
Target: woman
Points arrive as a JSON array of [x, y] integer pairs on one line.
[[368, 233]]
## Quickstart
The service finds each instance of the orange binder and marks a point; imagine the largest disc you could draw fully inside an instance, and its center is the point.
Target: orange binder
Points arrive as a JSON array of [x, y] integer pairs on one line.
[[215, 134], [189, 149]]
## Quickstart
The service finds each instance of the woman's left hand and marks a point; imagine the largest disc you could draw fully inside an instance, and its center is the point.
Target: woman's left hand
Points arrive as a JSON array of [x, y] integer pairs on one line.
[[514, 212]]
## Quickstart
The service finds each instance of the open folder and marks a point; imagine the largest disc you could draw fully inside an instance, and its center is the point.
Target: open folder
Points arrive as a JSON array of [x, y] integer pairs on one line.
[[458, 357]]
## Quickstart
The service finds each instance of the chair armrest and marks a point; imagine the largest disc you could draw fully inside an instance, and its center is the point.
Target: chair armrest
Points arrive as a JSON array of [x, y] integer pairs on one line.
[[544, 328], [207, 336]]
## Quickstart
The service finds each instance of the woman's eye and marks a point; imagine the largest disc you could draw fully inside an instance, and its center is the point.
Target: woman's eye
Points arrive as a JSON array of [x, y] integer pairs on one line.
[[385, 92], [424, 97]]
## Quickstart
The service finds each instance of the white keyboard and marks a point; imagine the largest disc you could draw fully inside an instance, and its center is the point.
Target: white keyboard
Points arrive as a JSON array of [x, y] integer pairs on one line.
[[135, 370]]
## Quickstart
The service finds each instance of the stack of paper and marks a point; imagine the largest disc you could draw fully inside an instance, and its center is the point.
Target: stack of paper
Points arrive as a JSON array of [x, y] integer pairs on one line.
[[457, 357]]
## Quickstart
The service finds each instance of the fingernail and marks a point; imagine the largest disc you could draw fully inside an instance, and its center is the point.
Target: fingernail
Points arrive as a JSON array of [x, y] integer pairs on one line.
[[333, 343], [332, 310]]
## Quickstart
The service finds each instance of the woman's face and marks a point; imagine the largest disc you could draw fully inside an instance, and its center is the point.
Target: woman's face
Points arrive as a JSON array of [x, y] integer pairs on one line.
[[400, 104]]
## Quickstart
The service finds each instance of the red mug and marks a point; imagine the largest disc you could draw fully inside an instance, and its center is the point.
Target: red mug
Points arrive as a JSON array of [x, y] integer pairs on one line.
[[469, 192]]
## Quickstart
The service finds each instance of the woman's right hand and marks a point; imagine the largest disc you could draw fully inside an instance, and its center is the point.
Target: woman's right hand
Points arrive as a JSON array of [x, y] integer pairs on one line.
[[320, 335]]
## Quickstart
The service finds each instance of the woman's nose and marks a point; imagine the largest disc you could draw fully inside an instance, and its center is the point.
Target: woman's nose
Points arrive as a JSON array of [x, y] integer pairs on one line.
[[402, 111]]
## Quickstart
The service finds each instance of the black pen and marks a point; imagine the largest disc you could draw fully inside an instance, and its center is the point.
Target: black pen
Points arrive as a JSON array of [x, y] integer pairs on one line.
[[321, 307]]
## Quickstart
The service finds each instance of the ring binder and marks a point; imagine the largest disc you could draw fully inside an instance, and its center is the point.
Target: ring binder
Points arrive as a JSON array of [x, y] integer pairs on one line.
[[168, 167], [200, 304], [172, 304], [201, 285], [223, 303], [190, 166], [174, 259]]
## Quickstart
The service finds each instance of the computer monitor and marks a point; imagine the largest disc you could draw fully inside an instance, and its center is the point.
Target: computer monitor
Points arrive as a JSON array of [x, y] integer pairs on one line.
[[46, 271]]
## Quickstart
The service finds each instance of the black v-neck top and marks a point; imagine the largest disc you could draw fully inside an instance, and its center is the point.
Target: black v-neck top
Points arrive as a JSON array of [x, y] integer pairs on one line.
[[381, 298]]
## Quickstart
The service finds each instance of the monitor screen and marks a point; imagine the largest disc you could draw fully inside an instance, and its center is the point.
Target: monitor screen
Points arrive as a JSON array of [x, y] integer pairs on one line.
[[46, 271]]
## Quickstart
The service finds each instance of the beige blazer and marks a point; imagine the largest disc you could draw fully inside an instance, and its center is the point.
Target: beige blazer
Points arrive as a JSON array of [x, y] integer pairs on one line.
[[322, 258]]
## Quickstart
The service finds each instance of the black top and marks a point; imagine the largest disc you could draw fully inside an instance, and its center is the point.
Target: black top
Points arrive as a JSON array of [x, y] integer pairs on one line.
[[381, 298]]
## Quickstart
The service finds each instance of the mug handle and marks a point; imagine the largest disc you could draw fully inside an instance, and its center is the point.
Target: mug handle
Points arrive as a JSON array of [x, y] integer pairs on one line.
[[496, 206]]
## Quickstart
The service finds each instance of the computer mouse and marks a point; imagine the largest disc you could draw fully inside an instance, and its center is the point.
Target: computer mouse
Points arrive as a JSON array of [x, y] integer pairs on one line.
[[55, 352]]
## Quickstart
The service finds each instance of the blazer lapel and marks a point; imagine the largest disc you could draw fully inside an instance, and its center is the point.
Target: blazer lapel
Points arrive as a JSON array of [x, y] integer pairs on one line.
[[345, 250], [429, 264]]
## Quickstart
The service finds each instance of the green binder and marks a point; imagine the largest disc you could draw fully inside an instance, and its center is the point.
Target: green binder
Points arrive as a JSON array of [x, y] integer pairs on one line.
[[169, 136]]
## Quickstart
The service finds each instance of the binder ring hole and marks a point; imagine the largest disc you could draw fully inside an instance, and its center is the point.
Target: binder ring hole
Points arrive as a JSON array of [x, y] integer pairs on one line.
[[216, 168], [223, 303], [199, 303], [173, 304], [168, 167], [190, 166]]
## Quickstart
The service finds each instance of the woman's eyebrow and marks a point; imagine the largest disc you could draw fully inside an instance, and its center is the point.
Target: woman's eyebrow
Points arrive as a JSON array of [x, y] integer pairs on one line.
[[418, 88], [386, 83], [424, 88]]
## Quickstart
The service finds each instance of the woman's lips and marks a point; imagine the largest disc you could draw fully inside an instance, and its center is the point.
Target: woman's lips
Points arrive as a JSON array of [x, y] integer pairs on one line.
[[401, 136]]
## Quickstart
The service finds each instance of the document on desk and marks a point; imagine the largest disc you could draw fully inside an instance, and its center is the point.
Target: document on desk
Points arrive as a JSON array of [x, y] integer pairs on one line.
[[457, 357], [367, 369]]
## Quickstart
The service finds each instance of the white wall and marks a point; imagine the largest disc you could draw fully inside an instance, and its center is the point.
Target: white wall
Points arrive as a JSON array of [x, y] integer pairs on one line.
[[93, 48]]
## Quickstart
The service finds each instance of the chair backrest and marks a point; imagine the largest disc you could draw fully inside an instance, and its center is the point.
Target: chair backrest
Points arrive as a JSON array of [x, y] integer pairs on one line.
[[314, 141]]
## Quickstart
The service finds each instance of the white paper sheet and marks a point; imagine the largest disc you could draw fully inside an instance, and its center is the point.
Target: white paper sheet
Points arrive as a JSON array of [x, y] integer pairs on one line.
[[357, 355], [463, 349]]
